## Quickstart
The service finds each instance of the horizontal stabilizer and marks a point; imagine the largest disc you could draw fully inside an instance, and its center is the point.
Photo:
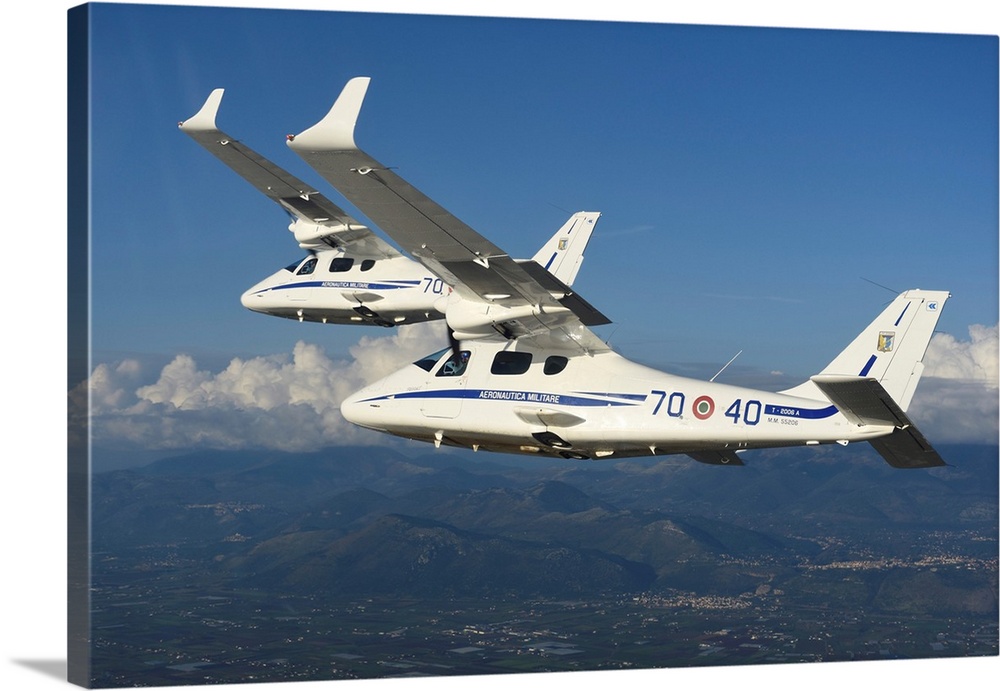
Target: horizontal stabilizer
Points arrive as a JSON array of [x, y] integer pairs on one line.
[[716, 457], [907, 448], [864, 401]]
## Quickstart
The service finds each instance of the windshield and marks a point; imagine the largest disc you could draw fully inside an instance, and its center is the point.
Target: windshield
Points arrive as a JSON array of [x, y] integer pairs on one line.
[[427, 363]]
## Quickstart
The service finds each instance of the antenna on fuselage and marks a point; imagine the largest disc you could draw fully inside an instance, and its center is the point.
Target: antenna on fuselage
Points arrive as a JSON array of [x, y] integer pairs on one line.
[[726, 365], [556, 206], [868, 280]]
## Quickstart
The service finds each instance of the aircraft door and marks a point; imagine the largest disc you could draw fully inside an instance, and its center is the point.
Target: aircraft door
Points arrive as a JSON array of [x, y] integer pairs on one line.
[[448, 387]]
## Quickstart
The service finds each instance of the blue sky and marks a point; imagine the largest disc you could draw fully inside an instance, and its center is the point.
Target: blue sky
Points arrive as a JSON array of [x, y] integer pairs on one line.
[[755, 183], [748, 178]]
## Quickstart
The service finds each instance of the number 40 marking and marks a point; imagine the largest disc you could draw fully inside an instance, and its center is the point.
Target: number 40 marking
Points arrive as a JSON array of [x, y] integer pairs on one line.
[[750, 412]]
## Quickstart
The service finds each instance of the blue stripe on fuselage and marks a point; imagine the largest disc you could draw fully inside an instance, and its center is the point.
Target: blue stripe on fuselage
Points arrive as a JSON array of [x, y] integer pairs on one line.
[[505, 395], [359, 285], [627, 396]]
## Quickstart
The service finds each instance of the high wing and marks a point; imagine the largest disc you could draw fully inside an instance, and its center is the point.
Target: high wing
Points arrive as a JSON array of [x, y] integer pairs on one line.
[[533, 304], [332, 225]]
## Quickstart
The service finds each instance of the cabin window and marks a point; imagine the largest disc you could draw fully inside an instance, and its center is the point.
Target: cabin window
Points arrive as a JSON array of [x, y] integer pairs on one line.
[[507, 362], [454, 366], [341, 264], [367, 264], [427, 363], [554, 364], [308, 267]]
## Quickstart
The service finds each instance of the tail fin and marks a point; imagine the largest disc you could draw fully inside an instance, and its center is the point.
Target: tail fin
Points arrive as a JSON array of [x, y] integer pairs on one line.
[[562, 255], [891, 349]]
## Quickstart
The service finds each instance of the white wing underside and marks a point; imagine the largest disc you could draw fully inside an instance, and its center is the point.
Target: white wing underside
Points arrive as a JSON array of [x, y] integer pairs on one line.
[[477, 269], [295, 196]]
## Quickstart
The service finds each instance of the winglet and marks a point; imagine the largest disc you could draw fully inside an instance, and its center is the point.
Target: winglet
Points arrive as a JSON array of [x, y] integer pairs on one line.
[[204, 119], [335, 132]]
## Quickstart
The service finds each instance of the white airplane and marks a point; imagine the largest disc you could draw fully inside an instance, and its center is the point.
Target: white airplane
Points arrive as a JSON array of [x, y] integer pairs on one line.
[[350, 275], [530, 377]]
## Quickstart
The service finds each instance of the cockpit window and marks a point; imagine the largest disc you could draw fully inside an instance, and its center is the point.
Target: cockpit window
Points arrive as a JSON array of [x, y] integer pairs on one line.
[[308, 267], [454, 366], [427, 363], [507, 362], [341, 264], [367, 264], [293, 266]]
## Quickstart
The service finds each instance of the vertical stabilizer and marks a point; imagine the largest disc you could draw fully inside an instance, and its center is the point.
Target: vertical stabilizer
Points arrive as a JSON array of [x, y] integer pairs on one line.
[[891, 349], [562, 255]]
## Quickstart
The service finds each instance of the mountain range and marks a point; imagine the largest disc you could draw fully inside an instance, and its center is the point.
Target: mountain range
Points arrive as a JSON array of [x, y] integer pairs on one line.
[[377, 521]]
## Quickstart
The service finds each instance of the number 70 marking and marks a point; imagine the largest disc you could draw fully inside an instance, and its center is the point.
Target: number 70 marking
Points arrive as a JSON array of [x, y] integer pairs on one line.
[[433, 285]]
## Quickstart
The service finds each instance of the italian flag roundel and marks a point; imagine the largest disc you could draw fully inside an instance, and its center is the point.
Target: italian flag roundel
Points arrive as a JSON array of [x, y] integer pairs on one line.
[[703, 407]]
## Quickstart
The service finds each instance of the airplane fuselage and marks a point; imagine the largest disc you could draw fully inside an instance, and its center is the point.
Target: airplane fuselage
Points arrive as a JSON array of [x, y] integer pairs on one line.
[[521, 400], [337, 288]]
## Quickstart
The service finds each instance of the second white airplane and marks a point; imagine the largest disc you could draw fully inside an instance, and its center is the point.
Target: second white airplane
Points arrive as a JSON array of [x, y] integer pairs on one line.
[[526, 375], [349, 274]]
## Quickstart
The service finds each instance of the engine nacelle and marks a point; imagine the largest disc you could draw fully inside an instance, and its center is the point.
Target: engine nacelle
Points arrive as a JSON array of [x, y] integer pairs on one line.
[[313, 236], [470, 319]]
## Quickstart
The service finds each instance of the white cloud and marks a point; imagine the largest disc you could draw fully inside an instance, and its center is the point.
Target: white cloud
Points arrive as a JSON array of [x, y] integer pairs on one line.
[[957, 399], [972, 360], [282, 402]]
